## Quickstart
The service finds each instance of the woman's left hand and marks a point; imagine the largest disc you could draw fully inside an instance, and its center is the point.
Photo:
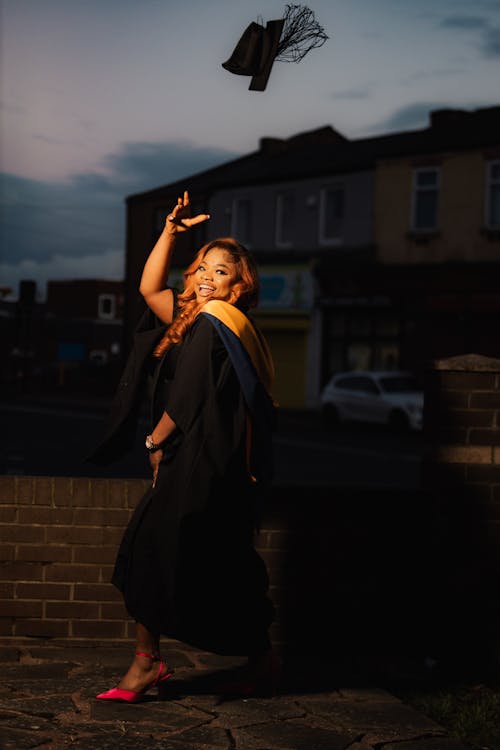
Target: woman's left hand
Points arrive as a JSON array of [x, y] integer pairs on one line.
[[180, 219], [154, 461]]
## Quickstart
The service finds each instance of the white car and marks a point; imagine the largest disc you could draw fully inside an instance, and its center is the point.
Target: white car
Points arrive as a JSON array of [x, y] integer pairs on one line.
[[391, 398]]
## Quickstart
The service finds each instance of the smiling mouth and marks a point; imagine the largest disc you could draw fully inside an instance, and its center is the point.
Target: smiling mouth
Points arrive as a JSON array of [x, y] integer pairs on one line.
[[204, 289]]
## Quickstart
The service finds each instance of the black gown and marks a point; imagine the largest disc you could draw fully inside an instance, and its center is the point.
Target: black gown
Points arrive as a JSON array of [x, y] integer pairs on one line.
[[187, 567]]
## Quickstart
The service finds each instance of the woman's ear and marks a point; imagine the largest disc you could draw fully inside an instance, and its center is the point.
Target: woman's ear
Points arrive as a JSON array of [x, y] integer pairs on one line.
[[235, 294]]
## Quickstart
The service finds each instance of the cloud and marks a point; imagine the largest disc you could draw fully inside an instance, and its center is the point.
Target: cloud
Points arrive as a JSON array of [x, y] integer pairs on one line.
[[143, 166], [356, 93], [464, 22], [42, 219], [74, 226], [432, 74], [491, 42], [409, 117], [14, 109], [49, 139], [103, 266]]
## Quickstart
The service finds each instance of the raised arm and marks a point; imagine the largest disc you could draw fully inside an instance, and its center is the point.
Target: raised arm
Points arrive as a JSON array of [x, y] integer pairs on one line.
[[155, 274]]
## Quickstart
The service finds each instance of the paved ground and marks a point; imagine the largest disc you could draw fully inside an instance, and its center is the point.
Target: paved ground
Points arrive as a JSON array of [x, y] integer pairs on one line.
[[46, 701]]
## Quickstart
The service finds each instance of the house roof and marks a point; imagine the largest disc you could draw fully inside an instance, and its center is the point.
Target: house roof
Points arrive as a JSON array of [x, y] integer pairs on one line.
[[326, 151]]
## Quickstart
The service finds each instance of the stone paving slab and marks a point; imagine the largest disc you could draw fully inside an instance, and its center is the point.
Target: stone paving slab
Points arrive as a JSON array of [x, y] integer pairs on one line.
[[47, 701]]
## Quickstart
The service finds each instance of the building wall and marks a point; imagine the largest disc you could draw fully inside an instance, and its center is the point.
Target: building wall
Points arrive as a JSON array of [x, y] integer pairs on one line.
[[460, 234], [292, 338], [356, 226], [78, 298]]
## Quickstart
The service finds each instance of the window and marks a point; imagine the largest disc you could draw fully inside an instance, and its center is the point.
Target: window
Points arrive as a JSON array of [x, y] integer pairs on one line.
[[285, 219], [106, 306], [365, 385], [493, 195], [98, 357], [331, 215], [241, 225], [425, 199], [359, 355]]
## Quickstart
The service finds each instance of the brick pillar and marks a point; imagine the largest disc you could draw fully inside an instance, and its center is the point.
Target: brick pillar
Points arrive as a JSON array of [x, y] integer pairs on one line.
[[461, 472]]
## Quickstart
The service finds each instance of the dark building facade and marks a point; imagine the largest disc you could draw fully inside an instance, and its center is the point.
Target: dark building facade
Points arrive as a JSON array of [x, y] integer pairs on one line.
[[375, 253], [72, 340]]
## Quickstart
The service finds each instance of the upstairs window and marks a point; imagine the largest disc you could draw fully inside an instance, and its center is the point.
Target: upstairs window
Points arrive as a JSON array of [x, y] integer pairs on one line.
[[493, 195], [106, 306], [331, 215], [241, 225], [425, 199], [285, 219]]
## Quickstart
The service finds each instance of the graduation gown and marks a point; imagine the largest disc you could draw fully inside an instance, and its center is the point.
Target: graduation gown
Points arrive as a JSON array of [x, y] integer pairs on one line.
[[187, 566]]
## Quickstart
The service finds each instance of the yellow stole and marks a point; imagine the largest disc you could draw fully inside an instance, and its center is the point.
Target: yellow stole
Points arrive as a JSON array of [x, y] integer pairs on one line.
[[252, 340]]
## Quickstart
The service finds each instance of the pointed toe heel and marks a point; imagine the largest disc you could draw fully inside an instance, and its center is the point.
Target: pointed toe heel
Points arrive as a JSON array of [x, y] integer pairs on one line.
[[123, 696], [132, 696]]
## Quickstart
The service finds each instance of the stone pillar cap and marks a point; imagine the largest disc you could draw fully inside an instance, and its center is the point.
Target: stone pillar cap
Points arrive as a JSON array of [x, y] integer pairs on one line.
[[467, 363]]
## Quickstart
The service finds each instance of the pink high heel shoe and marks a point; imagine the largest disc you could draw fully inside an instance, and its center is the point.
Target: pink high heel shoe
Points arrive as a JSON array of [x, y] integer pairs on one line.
[[131, 696]]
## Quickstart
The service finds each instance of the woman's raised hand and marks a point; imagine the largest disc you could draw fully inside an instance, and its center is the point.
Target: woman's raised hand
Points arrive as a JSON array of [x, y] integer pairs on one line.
[[180, 219]]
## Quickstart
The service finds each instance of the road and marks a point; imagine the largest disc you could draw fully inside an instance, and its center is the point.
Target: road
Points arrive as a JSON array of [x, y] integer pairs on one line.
[[53, 439]]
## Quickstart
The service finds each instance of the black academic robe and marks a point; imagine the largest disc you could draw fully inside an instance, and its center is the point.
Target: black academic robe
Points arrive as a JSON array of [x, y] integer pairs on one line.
[[121, 423], [187, 566]]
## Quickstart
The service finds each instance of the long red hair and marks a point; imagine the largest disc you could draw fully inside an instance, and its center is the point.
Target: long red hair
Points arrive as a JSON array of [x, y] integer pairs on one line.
[[245, 289]]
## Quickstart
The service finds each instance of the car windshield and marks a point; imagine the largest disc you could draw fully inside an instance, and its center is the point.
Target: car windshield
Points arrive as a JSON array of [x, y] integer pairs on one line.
[[399, 384]]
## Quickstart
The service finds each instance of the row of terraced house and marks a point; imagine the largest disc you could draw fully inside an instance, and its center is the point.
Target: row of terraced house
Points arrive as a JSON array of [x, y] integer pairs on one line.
[[374, 253]]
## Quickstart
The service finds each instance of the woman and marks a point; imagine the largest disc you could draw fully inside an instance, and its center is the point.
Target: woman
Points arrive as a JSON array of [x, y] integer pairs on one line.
[[187, 567]]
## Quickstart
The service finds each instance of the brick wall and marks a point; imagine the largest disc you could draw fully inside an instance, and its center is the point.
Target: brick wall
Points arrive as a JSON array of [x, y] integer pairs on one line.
[[360, 579], [461, 473], [462, 430], [58, 542], [330, 555]]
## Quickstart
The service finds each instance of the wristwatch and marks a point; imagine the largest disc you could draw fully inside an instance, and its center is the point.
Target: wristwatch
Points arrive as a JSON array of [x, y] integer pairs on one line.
[[151, 445]]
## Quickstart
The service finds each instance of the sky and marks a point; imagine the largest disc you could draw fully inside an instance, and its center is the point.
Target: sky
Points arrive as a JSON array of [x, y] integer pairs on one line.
[[101, 99]]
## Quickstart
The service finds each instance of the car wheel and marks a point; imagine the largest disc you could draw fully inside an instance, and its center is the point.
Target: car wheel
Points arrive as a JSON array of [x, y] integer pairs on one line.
[[398, 421], [330, 415]]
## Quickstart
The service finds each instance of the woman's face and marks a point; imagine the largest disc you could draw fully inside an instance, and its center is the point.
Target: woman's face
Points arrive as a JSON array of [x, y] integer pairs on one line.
[[215, 276]]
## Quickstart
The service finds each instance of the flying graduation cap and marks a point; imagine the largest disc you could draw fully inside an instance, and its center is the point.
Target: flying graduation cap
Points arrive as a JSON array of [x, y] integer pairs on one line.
[[287, 39]]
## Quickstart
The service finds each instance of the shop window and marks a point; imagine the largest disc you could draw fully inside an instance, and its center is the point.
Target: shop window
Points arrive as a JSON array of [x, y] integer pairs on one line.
[[331, 215], [425, 199], [493, 195], [285, 219], [241, 225], [359, 356], [386, 357], [106, 306]]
